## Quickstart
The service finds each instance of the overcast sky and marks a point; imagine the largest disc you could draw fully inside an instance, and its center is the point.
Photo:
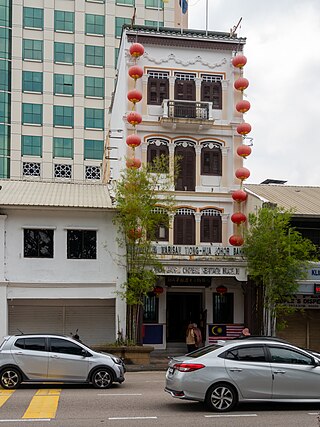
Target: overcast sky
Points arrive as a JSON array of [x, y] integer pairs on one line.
[[283, 69]]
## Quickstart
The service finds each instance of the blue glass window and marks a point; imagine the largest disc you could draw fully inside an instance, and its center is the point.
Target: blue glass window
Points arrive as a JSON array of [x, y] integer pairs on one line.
[[33, 17], [93, 118], [5, 75], [63, 21], [32, 49], [32, 81], [63, 116], [32, 114], [93, 149], [63, 147], [154, 4], [5, 43], [119, 23], [95, 24], [31, 145], [94, 86], [64, 52], [94, 55], [5, 14], [63, 84]]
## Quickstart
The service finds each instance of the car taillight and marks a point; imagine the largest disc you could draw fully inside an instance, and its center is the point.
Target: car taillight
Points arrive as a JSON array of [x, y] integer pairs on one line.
[[188, 367]]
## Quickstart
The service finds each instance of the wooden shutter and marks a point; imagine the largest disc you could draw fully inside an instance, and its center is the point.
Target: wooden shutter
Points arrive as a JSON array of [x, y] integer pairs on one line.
[[212, 92], [158, 90], [185, 90], [211, 229], [211, 161], [184, 229], [186, 178]]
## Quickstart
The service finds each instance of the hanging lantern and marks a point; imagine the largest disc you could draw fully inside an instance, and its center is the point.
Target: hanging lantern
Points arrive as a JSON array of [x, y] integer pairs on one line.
[[221, 290], [158, 290], [243, 106], [239, 61], [241, 84], [133, 140], [236, 240], [136, 50], [135, 233], [244, 128], [238, 218], [134, 96], [242, 173], [133, 163], [135, 72], [244, 150], [239, 196], [134, 118]]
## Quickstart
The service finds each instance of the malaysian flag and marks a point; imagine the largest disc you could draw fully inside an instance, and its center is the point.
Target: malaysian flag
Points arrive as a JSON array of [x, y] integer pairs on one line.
[[223, 332]]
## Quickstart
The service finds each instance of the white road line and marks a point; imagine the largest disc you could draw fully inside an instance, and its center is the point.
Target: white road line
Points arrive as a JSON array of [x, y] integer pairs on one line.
[[119, 394], [231, 415], [26, 420], [133, 418], [313, 413]]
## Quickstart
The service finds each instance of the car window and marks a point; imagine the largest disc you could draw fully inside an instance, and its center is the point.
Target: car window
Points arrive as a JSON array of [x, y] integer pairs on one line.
[[246, 354], [58, 345], [32, 343], [287, 355], [204, 350]]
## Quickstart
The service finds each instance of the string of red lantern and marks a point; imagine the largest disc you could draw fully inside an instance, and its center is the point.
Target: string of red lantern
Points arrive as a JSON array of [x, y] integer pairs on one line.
[[134, 95], [239, 196]]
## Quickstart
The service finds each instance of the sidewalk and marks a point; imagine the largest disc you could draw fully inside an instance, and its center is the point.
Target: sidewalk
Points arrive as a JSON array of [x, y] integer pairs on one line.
[[158, 361]]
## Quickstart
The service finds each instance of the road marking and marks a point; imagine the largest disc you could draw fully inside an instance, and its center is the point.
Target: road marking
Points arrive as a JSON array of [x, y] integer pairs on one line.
[[44, 404], [231, 415], [119, 394], [24, 421], [4, 396], [133, 418], [313, 413]]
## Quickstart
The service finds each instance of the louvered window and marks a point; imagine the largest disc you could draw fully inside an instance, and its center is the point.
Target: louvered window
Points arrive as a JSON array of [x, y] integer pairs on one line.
[[158, 87], [211, 161], [184, 227], [211, 226], [186, 159], [211, 90]]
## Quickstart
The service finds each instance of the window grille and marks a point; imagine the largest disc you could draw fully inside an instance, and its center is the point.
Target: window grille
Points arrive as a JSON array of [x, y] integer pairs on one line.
[[31, 169], [185, 76], [158, 74], [185, 211], [62, 171], [211, 78], [92, 172], [211, 212]]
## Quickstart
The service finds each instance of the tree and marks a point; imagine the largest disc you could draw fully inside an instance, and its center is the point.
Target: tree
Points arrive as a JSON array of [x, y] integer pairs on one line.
[[277, 256], [144, 203]]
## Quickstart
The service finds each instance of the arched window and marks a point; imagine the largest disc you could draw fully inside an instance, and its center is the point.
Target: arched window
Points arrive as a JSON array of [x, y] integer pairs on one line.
[[186, 160], [211, 159], [161, 230], [184, 227], [211, 226], [156, 148]]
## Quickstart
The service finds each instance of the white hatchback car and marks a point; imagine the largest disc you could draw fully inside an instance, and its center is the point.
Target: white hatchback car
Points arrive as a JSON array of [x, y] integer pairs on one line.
[[247, 370], [43, 357]]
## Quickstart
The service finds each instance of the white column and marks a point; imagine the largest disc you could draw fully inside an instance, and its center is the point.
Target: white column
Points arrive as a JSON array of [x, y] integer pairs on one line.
[[3, 311]]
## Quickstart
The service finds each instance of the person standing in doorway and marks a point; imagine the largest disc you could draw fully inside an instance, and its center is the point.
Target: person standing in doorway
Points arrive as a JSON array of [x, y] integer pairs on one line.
[[198, 335], [191, 338]]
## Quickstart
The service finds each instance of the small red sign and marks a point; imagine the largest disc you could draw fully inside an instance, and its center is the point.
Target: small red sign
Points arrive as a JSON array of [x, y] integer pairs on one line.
[[317, 288]]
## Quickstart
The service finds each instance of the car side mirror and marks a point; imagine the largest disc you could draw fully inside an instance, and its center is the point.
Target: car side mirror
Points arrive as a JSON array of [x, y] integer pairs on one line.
[[84, 353]]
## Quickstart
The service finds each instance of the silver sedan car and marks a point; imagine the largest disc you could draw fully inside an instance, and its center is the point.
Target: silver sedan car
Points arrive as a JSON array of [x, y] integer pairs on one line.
[[255, 370]]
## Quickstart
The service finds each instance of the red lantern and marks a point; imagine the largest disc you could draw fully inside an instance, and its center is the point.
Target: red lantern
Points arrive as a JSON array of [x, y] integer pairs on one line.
[[239, 196], [133, 163], [133, 140], [158, 290], [236, 240], [136, 50], [244, 128], [241, 84], [221, 290], [135, 72], [242, 173], [134, 96], [239, 61], [243, 106], [134, 118], [244, 150], [135, 233], [238, 218]]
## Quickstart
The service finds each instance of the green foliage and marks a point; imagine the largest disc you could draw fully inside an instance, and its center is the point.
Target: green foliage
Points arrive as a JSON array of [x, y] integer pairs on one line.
[[144, 201], [277, 256]]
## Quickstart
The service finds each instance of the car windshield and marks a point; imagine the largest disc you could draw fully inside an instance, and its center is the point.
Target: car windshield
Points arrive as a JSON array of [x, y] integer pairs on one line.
[[204, 350]]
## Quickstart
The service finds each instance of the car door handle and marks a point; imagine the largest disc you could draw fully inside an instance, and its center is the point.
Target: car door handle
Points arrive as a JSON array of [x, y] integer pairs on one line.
[[235, 369], [55, 357], [279, 372]]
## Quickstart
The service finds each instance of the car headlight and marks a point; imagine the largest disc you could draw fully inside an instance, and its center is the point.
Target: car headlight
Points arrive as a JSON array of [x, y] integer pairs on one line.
[[117, 360]]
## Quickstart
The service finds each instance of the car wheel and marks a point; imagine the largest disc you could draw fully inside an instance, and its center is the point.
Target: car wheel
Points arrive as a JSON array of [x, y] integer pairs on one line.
[[10, 378], [102, 378], [221, 397]]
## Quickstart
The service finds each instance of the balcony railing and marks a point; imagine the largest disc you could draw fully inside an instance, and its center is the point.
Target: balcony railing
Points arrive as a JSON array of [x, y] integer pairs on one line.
[[187, 110]]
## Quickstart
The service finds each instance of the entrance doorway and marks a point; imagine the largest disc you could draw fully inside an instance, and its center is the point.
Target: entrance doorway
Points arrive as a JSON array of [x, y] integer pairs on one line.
[[182, 308]]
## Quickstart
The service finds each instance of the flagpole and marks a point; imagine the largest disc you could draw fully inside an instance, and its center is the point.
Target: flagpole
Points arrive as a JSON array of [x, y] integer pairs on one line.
[[207, 13]]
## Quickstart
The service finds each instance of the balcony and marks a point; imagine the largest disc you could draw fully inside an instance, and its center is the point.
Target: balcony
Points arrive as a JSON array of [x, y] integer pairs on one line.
[[186, 112]]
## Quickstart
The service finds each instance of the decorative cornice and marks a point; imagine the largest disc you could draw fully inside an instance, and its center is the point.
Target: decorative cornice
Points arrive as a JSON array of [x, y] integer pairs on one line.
[[176, 60]]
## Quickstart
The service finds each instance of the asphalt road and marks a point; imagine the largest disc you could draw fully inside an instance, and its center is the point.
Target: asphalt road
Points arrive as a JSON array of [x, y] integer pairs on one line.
[[140, 401]]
